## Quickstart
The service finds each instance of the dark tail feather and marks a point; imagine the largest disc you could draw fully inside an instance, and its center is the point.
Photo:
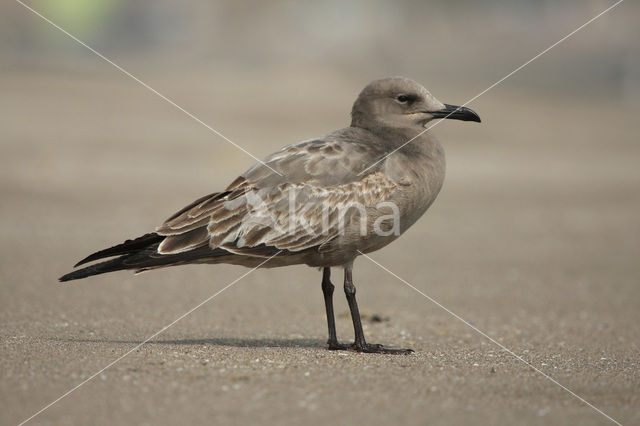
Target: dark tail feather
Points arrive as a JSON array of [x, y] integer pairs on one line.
[[144, 259], [128, 247], [98, 268]]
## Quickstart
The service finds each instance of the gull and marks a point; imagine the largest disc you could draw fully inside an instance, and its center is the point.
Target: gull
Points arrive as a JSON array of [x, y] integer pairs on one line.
[[321, 202]]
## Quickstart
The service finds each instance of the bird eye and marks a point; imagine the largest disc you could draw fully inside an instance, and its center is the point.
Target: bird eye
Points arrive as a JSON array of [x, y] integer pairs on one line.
[[403, 99]]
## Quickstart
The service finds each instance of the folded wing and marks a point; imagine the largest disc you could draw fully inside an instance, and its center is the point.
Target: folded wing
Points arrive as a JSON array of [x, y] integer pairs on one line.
[[316, 190]]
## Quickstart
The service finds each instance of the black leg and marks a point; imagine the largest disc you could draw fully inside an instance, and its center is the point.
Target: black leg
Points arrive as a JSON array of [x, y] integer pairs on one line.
[[360, 344], [327, 290], [350, 292]]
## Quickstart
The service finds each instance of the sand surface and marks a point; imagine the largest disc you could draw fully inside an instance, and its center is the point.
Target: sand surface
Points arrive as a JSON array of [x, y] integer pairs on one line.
[[534, 240]]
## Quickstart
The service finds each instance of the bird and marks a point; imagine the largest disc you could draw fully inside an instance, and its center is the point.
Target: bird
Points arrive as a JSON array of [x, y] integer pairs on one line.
[[321, 202]]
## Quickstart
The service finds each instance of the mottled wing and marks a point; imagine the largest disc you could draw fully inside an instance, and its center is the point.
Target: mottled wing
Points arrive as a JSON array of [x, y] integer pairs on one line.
[[333, 160], [304, 206]]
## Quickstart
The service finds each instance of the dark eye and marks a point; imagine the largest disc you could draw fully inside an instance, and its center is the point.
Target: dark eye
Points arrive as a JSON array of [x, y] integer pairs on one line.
[[403, 99]]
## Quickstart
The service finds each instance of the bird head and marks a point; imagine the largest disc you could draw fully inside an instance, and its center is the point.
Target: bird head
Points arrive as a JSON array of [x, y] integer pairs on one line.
[[400, 102]]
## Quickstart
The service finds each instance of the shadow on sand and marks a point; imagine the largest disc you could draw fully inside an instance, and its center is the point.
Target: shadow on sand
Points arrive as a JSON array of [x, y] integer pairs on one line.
[[217, 341]]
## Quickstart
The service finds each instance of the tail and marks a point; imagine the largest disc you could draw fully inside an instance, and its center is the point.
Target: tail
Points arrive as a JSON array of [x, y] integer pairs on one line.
[[138, 249], [141, 254], [97, 269], [128, 247]]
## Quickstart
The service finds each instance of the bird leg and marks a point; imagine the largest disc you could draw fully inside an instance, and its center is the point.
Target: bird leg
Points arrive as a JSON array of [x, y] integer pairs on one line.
[[327, 290], [360, 344]]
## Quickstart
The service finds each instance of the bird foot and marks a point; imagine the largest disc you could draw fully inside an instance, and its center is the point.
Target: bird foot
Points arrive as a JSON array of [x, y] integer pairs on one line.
[[335, 346], [368, 348]]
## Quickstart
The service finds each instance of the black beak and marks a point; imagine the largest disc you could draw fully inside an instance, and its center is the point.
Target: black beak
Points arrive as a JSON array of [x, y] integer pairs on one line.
[[456, 113]]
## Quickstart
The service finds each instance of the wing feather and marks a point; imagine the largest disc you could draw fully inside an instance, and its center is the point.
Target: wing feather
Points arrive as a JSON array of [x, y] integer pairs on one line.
[[303, 207]]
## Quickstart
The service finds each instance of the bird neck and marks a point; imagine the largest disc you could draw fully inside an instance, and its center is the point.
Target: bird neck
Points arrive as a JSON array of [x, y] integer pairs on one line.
[[394, 136]]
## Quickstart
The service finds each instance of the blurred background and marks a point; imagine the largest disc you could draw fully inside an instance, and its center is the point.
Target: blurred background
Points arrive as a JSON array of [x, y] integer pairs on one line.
[[534, 237]]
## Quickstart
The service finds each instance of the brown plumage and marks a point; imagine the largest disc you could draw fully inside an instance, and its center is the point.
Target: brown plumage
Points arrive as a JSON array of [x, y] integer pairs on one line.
[[317, 201]]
